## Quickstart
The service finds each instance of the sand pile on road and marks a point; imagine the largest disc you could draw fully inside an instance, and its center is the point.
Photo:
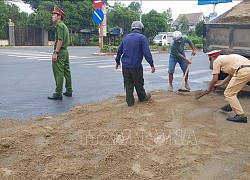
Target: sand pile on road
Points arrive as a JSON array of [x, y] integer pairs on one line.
[[172, 136], [240, 14]]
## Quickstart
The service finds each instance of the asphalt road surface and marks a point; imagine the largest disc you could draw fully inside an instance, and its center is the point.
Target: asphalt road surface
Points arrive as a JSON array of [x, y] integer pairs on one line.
[[27, 79]]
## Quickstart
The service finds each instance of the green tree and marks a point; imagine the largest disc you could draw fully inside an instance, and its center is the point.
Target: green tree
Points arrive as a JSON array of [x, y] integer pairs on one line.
[[24, 17], [134, 6], [19, 18], [168, 16], [42, 18], [183, 25], [3, 15], [199, 28], [78, 14], [36, 3], [33, 3], [154, 22], [121, 17]]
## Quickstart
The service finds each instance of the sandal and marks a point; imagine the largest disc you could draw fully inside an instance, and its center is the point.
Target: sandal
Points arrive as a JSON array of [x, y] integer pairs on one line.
[[170, 88]]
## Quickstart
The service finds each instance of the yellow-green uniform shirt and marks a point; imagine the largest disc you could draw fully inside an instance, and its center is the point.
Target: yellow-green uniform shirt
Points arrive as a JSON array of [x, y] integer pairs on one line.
[[229, 63], [62, 33]]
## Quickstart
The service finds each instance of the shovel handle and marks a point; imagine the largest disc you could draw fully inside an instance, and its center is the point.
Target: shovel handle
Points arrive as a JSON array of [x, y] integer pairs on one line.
[[201, 95], [185, 75]]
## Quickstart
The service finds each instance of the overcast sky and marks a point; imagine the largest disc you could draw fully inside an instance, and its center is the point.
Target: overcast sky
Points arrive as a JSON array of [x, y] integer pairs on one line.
[[178, 7]]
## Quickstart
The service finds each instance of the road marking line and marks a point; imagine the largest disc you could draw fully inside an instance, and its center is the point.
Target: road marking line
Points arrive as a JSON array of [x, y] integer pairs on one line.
[[107, 66], [192, 72], [98, 61], [39, 57], [156, 66], [31, 55], [199, 80], [95, 64], [180, 75]]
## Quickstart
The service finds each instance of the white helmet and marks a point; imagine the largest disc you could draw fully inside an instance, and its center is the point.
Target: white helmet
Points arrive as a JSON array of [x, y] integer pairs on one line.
[[177, 35], [137, 25]]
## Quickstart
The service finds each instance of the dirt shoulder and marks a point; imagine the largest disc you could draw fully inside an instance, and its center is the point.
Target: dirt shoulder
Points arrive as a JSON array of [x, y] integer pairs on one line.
[[173, 136]]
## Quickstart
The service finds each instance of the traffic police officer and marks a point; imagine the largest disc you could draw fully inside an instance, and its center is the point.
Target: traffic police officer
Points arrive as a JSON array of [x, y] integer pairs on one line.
[[238, 69], [60, 57], [131, 51]]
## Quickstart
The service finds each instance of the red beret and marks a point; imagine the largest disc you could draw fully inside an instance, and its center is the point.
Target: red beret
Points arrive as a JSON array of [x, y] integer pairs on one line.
[[58, 11], [214, 53]]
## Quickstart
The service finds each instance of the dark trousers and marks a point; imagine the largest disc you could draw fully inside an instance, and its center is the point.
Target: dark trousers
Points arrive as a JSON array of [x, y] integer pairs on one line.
[[133, 78]]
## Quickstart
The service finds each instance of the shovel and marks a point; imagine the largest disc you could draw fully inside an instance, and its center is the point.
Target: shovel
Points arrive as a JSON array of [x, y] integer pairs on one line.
[[200, 94], [185, 75]]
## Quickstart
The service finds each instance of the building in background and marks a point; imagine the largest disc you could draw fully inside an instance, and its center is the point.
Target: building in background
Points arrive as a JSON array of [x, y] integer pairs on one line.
[[193, 19]]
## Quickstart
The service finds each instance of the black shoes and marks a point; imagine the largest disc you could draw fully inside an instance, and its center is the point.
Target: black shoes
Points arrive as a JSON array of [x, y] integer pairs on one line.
[[55, 97], [238, 118], [67, 94], [147, 97], [227, 108]]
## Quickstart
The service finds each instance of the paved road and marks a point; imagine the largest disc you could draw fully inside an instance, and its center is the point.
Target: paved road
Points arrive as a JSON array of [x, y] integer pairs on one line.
[[27, 79]]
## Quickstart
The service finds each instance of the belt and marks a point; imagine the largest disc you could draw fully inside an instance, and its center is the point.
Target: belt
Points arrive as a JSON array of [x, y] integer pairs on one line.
[[242, 66], [62, 48]]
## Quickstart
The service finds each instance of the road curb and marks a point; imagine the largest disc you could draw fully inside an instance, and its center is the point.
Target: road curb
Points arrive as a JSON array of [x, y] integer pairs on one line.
[[152, 52]]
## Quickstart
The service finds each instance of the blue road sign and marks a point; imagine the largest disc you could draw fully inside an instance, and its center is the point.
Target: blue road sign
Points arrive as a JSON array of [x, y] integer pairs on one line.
[[98, 16], [202, 2]]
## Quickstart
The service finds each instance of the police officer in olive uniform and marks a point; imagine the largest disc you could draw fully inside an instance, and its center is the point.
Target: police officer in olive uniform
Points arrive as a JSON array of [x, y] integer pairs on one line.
[[60, 57]]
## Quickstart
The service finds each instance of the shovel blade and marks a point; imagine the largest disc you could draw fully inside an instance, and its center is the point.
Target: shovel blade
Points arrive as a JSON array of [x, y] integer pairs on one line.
[[183, 90]]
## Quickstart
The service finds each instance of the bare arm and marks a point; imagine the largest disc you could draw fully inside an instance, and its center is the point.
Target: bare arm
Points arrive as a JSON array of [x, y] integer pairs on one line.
[[184, 58], [225, 81], [193, 48], [212, 83]]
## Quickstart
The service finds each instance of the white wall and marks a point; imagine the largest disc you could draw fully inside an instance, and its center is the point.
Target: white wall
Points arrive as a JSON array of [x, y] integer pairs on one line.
[[4, 42]]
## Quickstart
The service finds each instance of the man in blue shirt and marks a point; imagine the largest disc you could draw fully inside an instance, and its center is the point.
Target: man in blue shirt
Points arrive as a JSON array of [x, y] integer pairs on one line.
[[177, 54], [131, 51]]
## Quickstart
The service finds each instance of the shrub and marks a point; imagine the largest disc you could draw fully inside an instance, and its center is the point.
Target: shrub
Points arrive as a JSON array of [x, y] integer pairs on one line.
[[93, 43], [159, 48], [107, 49], [199, 46], [196, 40]]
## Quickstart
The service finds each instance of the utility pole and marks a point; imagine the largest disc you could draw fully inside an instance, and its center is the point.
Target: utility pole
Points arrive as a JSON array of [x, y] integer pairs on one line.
[[214, 7], [102, 28], [141, 10]]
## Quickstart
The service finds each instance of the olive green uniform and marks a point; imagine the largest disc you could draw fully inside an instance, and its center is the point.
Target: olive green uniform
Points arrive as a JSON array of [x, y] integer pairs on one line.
[[61, 67]]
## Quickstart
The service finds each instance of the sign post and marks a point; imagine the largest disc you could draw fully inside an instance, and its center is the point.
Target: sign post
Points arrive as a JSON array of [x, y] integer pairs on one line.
[[97, 3], [214, 2], [204, 2], [98, 17]]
